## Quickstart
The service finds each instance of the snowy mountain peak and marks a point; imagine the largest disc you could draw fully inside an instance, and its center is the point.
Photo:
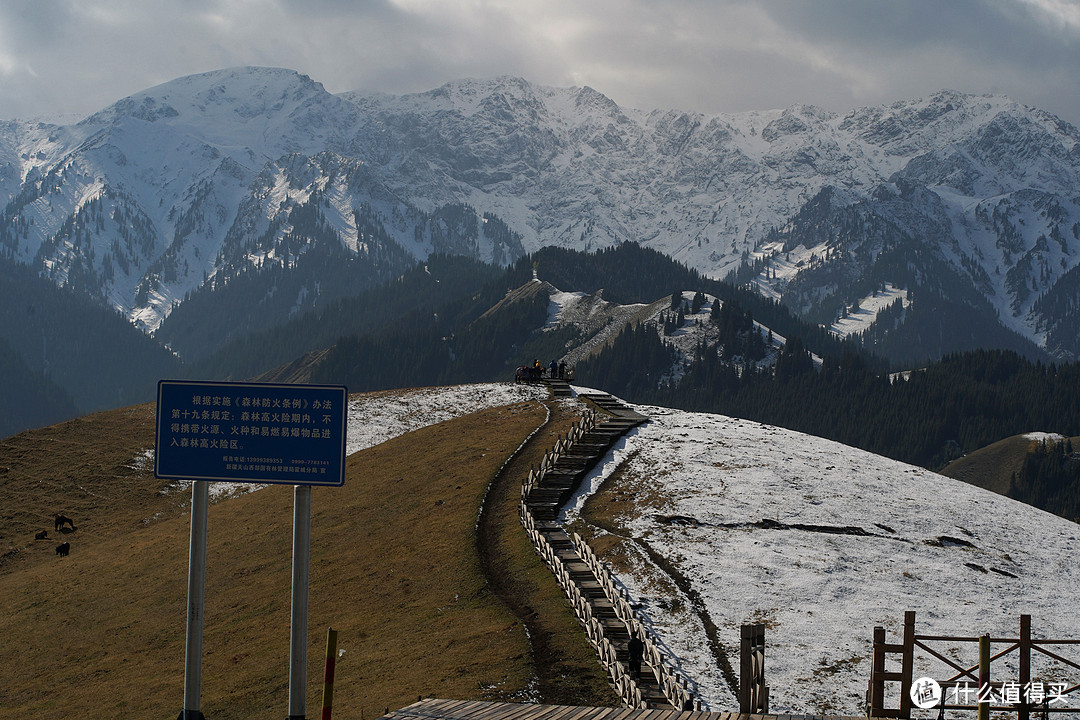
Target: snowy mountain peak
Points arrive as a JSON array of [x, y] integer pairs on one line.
[[245, 92], [977, 193]]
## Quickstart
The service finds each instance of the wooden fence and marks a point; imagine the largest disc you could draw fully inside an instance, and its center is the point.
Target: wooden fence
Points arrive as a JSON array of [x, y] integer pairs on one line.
[[971, 686], [673, 685], [590, 420], [753, 693]]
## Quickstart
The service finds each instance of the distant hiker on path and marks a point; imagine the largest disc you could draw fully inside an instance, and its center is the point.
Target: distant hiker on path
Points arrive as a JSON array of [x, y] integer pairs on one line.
[[636, 648], [553, 370]]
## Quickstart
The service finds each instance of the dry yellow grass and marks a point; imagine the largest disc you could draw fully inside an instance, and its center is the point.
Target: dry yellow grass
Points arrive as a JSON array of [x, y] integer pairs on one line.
[[393, 568], [567, 668], [992, 467]]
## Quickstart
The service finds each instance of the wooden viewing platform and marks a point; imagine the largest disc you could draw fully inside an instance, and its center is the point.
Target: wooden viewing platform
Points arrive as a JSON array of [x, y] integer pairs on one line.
[[433, 709]]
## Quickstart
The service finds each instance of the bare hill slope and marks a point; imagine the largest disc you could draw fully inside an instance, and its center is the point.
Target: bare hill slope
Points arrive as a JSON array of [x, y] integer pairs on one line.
[[394, 569]]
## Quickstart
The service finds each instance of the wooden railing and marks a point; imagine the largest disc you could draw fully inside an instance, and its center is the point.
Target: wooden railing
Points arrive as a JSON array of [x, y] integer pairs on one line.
[[753, 693], [589, 420], [673, 685], [1023, 695]]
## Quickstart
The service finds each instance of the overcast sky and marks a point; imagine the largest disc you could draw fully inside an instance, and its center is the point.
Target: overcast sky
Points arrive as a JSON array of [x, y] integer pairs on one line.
[[77, 56]]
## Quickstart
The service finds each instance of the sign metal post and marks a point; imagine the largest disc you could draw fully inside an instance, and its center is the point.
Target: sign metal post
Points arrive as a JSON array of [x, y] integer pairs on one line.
[[250, 432], [200, 503], [299, 619]]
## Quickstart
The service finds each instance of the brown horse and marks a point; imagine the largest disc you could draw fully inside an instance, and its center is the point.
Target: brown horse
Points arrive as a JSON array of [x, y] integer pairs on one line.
[[60, 520]]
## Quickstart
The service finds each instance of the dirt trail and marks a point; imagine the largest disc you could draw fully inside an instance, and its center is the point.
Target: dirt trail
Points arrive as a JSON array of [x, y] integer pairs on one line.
[[567, 670]]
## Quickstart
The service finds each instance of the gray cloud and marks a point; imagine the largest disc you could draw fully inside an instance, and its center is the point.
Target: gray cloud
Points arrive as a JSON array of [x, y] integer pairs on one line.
[[723, 56]]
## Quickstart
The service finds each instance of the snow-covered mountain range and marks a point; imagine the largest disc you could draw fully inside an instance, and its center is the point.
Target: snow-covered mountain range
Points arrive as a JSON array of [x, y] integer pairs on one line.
[[968, 200]]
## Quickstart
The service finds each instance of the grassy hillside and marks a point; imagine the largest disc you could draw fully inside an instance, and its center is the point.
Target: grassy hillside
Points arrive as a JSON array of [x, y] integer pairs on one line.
[[991, 467], [394, 568], [1043, 474]]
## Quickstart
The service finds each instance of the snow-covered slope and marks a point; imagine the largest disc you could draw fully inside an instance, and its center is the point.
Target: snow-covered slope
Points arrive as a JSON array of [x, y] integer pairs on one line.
[[205, 175], [822, 542], [374, 418], [686, 329]]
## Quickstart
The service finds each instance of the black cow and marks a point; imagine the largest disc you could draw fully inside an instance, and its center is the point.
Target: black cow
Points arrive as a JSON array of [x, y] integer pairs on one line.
[[62, 549]]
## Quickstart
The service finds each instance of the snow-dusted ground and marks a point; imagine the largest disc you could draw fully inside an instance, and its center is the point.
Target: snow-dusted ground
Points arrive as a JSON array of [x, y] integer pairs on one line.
[[869, 307], [377, 417], [966, 560]]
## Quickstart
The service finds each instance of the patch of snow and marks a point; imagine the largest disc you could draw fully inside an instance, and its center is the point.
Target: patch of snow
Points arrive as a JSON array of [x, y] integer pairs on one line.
[[823, 542], [858, 320], [374, 418], [1040, 436]]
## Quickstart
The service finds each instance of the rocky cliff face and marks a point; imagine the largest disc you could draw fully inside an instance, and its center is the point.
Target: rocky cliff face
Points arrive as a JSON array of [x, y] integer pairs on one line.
[[963, 202]]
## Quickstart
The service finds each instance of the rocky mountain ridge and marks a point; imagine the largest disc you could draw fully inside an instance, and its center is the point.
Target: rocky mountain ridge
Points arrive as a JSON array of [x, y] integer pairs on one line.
[[966, 203]]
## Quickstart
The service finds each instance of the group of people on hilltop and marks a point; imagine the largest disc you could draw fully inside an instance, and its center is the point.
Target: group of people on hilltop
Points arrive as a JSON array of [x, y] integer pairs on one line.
[[537, 371]]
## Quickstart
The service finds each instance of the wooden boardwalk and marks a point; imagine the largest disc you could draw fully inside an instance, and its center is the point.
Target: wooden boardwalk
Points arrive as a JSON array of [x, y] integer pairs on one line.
[[432, 709], [599, 604], [557, 484], [607, 617]]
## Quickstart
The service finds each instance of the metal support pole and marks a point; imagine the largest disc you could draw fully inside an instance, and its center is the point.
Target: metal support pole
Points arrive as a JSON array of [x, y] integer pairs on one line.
[[298, 631], [200, 504]]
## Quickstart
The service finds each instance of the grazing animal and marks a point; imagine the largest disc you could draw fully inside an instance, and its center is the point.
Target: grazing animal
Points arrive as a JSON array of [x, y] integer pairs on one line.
[[42, 535], [60, 520], [62, 549]]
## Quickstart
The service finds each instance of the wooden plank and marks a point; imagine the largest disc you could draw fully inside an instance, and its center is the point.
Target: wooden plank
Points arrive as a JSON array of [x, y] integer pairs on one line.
[[478, 709], [443, 709], [621, 714], [582, 713], [524, 712], [653, 714], [559, 712], [466, 709], [432, 707], [426, 708]]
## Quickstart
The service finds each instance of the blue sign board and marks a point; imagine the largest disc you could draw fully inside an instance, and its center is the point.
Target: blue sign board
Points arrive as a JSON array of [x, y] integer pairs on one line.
[[251, 432]]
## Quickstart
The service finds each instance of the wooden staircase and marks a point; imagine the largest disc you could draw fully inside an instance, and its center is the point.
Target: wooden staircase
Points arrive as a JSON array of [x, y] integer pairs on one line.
[[588, 585]]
